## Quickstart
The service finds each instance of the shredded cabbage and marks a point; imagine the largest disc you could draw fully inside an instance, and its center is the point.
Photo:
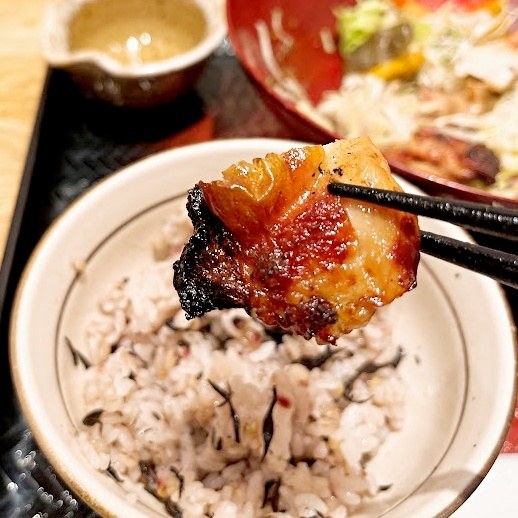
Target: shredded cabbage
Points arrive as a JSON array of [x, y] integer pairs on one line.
[[366, 105]]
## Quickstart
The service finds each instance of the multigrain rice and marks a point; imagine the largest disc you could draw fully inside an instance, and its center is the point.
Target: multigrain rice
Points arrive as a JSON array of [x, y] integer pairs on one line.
[[222, 417]]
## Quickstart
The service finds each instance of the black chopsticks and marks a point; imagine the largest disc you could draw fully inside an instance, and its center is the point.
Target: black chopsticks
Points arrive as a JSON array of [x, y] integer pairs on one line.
[[501, 222], [497, 264]]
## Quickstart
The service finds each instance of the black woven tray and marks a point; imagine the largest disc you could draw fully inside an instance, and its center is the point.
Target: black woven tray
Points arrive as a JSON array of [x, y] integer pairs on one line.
[[77, 141]]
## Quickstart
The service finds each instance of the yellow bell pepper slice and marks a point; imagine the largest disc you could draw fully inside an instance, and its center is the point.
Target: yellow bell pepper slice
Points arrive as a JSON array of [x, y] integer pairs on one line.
[[404, 66]]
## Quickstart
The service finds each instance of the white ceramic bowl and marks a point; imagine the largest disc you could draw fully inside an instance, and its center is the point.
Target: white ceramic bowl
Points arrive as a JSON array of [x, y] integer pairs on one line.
[[137, 84], [455, 329]]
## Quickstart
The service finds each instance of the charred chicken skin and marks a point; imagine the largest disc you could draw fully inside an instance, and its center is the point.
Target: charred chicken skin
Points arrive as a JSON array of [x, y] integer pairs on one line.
[[271, 239]]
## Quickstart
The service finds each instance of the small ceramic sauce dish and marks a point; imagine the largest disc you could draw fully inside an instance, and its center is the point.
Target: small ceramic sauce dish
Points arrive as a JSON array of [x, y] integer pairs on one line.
[[134, 53]]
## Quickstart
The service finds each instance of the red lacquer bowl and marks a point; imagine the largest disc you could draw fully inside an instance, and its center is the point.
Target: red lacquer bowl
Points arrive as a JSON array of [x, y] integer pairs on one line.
[[317, 71]]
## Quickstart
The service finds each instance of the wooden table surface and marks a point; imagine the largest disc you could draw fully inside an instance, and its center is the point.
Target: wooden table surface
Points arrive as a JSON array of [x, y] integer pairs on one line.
[[22, 73]]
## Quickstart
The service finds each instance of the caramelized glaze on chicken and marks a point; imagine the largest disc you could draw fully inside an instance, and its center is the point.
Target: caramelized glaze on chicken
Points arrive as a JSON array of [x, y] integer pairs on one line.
[[270, 238], [448, 157]]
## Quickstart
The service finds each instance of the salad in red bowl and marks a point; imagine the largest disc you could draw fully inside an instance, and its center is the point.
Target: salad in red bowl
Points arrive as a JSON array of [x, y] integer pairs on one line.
[[434, 83]]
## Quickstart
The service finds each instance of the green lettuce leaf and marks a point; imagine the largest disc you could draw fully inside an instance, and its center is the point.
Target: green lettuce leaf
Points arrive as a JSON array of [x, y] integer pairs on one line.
[[356, 24]]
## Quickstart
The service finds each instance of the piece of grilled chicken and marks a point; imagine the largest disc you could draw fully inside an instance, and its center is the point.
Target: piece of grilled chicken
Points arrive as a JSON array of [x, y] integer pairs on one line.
[[271, 239]]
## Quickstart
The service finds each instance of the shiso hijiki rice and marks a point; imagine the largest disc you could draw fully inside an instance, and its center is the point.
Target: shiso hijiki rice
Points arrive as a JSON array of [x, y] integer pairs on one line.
[[222, 417]]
